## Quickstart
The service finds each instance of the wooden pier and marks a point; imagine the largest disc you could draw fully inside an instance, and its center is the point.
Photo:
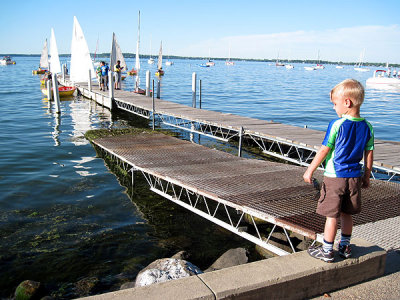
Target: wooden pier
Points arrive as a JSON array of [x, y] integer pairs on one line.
[[291, 143], [223, 188]]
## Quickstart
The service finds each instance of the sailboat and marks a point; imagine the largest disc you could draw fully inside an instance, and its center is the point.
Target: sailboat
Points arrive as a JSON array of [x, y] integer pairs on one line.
[[160, 71], [277, 63], [44, 61], [81, 62], [229, 62], [210, 63], [150, 61], [116, 55], [319, 65], [138, 90], [55, 66], [359, 66]]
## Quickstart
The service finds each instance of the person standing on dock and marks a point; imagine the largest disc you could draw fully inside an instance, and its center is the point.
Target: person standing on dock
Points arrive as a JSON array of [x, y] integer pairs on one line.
[[98, 75], [347, 140], [117, 70], [104, 76]]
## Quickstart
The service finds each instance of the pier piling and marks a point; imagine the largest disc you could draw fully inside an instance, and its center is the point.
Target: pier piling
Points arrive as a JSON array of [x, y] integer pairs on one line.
[[49, 96], [158, 89], [153, 108], [240, 141], [200, 93], [111, 85], [147, 83], [55, 93], [90, 80], [194, 76]]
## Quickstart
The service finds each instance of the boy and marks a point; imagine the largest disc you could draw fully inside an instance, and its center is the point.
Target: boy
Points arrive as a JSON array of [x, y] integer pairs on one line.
[[104, 76], [347, 140]]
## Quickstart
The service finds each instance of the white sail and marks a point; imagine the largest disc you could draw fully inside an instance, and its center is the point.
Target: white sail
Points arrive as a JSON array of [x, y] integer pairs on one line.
[[137, 65], [159, 63], [116, 54], [55, 66], [44, 58], [81, 62]]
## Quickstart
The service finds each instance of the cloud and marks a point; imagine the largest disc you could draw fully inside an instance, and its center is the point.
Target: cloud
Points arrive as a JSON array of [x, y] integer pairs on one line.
[[381, 44]]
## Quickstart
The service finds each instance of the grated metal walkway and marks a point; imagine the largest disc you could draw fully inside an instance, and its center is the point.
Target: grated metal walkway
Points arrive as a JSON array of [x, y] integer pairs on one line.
[[204, 180], [291, 143]]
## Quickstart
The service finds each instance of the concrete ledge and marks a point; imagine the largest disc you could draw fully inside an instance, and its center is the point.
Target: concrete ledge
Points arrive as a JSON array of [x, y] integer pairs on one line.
[[294, 276], [185, 288]]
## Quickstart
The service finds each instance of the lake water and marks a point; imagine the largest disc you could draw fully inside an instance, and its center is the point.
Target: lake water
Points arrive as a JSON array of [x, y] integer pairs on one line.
[[65, 217]]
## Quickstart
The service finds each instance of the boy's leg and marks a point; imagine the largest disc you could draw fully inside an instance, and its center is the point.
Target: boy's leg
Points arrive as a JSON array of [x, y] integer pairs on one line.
[[330, 229], [325, 252], [346, 221]]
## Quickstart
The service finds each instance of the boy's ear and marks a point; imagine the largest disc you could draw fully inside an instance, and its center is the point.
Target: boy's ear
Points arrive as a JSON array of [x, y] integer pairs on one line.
[[348, 102]]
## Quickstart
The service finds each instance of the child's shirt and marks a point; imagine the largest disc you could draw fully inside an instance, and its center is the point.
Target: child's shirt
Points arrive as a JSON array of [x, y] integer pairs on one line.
[[104, 70], [348, 138]]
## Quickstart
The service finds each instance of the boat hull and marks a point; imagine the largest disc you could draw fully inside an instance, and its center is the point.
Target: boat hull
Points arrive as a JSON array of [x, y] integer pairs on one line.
[[63, 91], [36, 72]]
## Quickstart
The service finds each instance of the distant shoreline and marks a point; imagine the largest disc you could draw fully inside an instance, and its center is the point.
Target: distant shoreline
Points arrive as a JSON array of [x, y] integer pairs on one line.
[[308, 61]]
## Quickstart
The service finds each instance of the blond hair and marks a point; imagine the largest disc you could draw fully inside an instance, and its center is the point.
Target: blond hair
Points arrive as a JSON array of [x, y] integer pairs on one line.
[[352, 89]]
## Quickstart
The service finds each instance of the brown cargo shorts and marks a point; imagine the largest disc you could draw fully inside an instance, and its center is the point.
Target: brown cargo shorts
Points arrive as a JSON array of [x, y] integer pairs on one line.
[[339, 195]]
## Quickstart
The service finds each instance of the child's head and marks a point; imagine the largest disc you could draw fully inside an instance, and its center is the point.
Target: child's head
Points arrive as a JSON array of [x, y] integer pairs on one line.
[[349, 89]]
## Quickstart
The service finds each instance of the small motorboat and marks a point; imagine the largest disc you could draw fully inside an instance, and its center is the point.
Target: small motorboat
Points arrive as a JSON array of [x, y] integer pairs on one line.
[[210, 63], [309, 68], [6, 61], [319, 67], [289, 66], [204, 66], [169, 63], [383, 78], [131, 72], [39, 71], [63, 91]]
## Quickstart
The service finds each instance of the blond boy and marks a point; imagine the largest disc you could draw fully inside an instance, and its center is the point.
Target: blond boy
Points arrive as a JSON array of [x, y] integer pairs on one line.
[[347, 140]]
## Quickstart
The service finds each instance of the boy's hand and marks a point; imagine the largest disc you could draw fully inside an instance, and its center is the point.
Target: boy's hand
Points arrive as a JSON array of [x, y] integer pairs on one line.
[[365, 182], [308, 176]]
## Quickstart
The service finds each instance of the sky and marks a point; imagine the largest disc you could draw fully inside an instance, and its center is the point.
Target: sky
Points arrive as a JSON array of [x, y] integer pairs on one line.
[[261, 29]]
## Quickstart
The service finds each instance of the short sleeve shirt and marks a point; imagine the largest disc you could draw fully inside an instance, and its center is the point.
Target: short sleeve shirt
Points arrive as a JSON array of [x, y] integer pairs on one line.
[[348, 138]]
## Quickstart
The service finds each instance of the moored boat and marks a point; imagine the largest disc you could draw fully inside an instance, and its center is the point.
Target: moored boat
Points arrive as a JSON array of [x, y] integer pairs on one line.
[[63, 91], [309, 68], [131, 72], [160, 71], [44, 61]]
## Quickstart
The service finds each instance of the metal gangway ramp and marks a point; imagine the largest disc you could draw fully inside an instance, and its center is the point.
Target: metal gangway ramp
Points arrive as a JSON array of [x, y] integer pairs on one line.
[[223, 188]]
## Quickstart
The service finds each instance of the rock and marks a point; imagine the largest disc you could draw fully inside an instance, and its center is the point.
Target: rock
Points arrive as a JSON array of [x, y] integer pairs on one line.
[[166, 269], [86, 286], [29, 290], [230, 258], [127, 285], [181, 255]]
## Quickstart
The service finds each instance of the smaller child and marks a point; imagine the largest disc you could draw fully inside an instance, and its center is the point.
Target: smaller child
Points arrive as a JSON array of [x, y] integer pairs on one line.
[[347, 140]]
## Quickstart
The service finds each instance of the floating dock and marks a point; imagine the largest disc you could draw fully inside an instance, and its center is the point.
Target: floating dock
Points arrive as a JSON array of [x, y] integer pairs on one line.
[[224, 188], [291, 143]]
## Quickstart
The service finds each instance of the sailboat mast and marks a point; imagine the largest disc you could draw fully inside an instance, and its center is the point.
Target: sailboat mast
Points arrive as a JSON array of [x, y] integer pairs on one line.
[[137, 64]]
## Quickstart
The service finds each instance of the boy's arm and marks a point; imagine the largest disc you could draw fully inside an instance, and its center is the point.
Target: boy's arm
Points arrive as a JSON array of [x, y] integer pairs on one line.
[[317, 161], [368, 161]]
